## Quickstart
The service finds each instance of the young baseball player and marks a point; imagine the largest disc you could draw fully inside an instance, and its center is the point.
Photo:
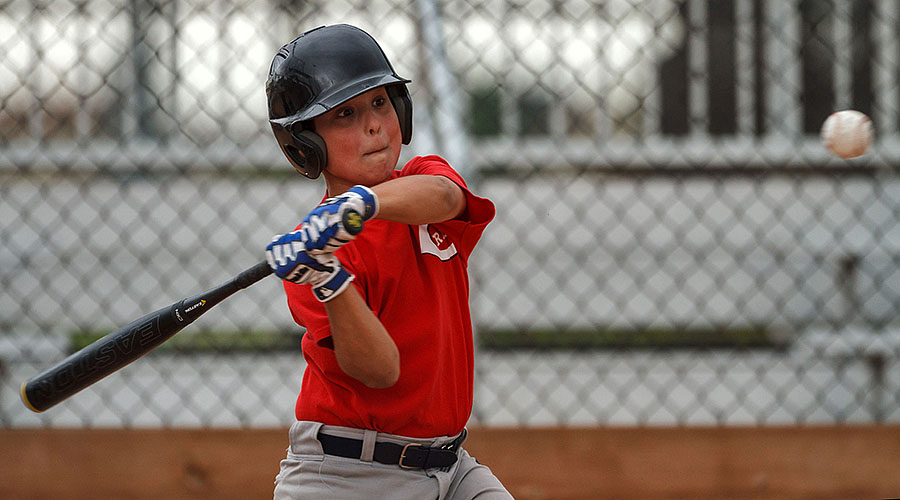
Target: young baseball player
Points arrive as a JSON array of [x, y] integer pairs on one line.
[[377, 275]]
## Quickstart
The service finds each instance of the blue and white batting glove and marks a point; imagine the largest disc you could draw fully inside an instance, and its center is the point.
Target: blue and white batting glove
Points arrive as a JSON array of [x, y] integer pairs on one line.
[[288, 259], [336, 221]]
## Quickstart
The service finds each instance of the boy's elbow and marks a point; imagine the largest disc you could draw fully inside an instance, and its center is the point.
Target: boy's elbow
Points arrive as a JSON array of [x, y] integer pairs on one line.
[[383, 380], [379, 379], [380, 376], [454, 198]]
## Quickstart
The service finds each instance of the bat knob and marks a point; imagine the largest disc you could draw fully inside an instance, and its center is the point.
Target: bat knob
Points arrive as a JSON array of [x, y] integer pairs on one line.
[[352, 222]]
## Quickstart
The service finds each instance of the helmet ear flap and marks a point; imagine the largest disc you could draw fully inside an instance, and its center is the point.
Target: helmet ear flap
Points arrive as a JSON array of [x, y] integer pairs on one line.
[[399, 96], [307, 153]]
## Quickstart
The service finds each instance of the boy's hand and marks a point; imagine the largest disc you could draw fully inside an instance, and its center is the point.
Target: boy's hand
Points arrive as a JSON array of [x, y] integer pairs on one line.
[[338, 220], [289, 261]]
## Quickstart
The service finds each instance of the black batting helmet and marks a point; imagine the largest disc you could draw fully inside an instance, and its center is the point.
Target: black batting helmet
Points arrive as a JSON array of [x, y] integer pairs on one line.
[[317, 71]]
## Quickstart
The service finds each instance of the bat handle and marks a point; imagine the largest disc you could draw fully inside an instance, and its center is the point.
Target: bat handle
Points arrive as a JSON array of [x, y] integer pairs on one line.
[[252, 275]]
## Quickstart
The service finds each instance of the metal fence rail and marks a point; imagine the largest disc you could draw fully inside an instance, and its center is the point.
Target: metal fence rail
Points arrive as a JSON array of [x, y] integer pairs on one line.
[[673, 245]]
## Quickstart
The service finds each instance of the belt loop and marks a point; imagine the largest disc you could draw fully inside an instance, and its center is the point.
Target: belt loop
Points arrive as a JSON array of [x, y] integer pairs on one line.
[[368, 445]]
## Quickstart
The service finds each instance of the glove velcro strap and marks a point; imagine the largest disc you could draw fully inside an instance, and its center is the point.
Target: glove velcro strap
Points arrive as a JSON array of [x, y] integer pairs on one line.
[[333, 286], [370, 201]]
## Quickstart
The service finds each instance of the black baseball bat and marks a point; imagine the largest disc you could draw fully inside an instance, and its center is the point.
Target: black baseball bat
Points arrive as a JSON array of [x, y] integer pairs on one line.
[[128, 343]]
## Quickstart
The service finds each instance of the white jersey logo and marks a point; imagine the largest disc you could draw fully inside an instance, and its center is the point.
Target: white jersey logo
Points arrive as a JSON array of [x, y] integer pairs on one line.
[[432, 240]]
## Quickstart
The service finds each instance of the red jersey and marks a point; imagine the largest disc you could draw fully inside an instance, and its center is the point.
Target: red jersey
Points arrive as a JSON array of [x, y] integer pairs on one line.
[[415, 280]]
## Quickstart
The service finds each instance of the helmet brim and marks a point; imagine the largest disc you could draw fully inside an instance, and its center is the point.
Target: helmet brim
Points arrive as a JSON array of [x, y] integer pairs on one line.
[[339, 96]]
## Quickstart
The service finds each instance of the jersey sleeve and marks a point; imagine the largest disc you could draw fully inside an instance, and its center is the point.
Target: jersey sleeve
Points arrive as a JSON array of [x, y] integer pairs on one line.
[[468, 227]]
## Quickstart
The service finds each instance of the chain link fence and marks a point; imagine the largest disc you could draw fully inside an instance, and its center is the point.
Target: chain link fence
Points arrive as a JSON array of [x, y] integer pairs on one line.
[[672, 246]]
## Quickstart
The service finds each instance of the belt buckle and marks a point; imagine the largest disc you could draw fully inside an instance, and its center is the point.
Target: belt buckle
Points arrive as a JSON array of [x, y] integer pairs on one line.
[[403, 456]]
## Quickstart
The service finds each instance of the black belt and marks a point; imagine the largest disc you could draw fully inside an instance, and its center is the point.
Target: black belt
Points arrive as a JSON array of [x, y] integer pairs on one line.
[[409, 456]]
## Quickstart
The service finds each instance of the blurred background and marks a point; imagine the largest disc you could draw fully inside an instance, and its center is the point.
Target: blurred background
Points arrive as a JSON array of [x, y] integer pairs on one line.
[[673, 245]]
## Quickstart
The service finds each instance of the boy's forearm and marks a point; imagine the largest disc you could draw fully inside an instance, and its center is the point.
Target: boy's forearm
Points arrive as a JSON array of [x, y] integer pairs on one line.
[[363, 347], [419, 199]]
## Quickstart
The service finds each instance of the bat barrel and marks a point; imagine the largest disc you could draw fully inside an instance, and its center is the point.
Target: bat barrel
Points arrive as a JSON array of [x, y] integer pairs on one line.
[[100, 358], [126, 344]]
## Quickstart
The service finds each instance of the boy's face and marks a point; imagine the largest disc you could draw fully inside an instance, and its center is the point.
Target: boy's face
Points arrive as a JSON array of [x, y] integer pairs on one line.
[[363, 140]]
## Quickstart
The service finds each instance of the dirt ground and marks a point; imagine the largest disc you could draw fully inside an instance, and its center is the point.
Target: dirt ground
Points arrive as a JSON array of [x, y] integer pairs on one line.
[[846, 462]]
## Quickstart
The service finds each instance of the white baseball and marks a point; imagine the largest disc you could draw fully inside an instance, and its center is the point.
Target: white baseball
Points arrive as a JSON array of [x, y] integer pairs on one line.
[[847, 133]]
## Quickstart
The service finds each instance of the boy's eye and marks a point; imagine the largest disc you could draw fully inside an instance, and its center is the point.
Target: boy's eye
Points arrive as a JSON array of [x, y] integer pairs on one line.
[[344, 112], [380, 101]]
